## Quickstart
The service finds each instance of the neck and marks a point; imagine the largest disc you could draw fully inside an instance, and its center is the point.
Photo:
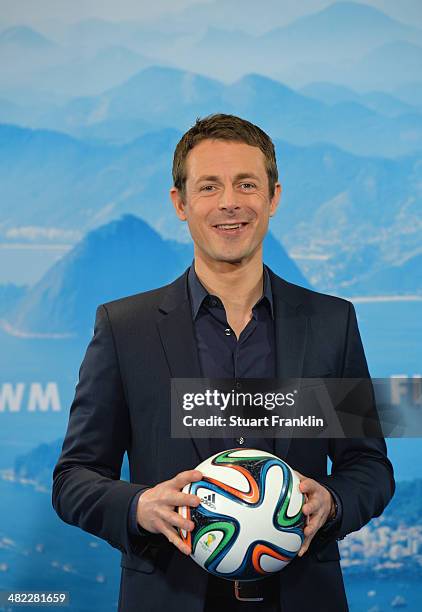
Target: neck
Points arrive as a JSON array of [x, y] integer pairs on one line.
[[238, 285]]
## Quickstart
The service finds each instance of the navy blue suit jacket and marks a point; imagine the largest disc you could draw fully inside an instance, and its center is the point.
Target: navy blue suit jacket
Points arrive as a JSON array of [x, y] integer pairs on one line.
[[122, 403]]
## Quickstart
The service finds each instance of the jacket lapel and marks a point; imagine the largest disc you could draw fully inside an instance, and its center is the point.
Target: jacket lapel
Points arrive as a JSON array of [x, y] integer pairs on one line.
[[178, 339], [291, 330], [177, 331]]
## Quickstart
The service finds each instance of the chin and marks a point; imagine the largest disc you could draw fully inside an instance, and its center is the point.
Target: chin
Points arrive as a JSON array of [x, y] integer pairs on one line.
[[233, 259]]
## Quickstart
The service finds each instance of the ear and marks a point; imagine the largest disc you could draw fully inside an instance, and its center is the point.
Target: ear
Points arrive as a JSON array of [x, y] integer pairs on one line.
[[178, 203], [275, 200]]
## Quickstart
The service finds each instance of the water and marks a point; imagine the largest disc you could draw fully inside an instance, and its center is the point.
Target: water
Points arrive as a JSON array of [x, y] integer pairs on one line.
[[43, 553], [357, 589], [36, 361], [392, 336]]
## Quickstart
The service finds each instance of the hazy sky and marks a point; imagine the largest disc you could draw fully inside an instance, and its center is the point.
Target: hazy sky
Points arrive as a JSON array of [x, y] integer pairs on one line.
[[75, 10], [36, 11]]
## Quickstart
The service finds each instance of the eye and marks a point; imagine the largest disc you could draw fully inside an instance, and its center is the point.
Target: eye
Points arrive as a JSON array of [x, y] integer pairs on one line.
[[247, 186], [207, 188]]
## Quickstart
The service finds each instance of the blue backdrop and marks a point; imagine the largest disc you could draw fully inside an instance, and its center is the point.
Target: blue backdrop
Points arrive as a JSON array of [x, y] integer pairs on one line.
[[93, 98]]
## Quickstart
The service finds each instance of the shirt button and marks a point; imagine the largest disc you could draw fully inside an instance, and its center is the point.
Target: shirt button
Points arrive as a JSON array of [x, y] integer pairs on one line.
[[240, 441], [228, 331], [238, 385], [213, 302]]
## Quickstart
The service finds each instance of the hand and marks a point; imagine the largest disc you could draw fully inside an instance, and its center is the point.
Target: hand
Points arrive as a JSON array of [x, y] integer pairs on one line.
[[156, 508], [319, 506]]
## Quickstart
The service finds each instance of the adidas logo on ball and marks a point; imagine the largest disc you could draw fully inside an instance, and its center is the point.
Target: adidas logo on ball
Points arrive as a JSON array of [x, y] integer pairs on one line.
[[209, 500]]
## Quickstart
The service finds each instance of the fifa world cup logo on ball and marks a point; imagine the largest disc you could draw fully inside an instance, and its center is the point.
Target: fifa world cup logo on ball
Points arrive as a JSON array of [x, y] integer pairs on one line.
[[249, 523]]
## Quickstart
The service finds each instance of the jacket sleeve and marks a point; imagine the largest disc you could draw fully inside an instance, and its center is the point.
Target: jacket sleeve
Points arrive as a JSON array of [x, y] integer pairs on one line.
[[87, 490], [362, 476]]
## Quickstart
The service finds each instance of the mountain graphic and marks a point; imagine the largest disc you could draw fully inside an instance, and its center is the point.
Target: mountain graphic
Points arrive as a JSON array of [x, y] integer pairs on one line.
[[159, 97], [25, 38], [121, 258]]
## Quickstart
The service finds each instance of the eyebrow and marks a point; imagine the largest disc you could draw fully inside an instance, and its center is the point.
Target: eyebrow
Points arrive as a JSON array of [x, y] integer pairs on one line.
[[239, 177]]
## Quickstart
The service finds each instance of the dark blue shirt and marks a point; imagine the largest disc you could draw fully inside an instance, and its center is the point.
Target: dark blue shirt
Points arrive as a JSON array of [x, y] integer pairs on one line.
[[221, 354]]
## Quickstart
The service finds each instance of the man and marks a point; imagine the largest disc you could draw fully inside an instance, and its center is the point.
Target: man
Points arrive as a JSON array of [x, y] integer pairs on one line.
[[227, 316]]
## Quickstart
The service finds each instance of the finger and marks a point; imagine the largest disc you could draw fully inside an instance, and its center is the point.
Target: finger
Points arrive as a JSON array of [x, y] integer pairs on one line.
[[178, 498], [311, 507], [308, 485], [176, 520], [173, 537], [184, 478], [314, 524], [304, 547], [310, 530], [309, 536]]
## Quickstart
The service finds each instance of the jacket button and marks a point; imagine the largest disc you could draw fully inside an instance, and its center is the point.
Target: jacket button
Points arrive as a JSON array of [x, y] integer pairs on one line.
[[240, 441]]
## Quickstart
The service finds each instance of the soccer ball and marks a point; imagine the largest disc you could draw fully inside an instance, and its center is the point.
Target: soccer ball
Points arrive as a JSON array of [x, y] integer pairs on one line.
[[249, 523]]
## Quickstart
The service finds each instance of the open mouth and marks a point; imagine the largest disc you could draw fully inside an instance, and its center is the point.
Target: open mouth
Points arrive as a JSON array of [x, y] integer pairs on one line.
[[230, 227]]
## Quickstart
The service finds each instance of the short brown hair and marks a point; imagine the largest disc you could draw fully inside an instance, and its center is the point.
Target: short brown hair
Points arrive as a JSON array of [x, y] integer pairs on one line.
[[224, 127]]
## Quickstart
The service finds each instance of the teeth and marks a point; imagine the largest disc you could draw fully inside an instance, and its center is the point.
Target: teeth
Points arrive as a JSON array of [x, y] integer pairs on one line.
[[227, 226]]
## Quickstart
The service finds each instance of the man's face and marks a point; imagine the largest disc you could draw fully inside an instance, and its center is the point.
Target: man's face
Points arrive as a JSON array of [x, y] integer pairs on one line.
[[226, 201]]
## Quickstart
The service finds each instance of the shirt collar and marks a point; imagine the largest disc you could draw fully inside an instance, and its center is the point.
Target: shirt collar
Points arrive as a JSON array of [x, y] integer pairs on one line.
[[198, 292]]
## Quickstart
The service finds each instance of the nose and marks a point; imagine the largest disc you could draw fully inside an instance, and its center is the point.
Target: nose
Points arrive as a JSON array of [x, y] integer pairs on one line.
[[227, 200]]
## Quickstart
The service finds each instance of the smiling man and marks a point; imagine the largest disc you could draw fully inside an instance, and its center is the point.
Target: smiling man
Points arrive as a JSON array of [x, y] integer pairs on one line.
[[227, 316]]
